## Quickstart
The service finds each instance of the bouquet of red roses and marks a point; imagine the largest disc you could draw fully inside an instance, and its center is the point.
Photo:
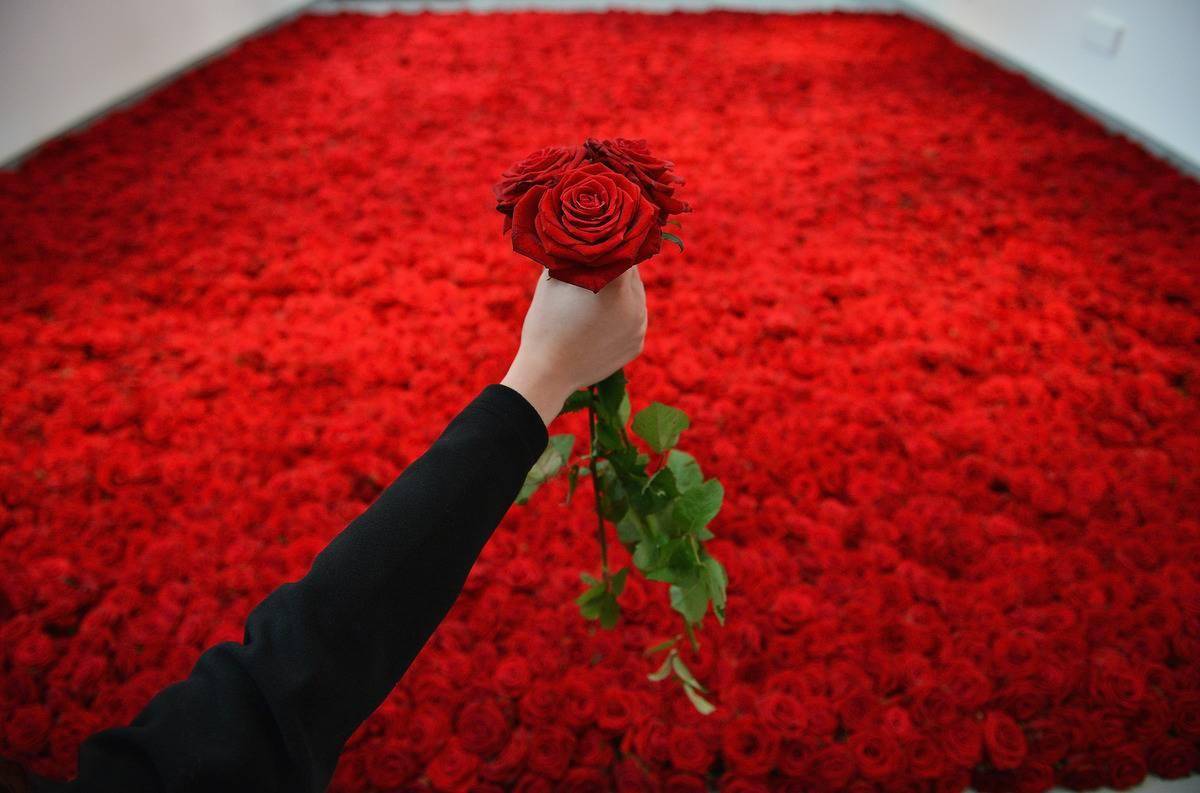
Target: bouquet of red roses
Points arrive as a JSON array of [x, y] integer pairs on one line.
[[588, 213]]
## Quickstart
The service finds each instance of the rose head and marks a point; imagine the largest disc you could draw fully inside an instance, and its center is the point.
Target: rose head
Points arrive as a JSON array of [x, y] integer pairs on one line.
[[632, 158], [543, 167], [588, 228]]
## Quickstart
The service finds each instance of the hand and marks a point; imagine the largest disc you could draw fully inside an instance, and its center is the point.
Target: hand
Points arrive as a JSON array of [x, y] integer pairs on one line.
[[573, 338]]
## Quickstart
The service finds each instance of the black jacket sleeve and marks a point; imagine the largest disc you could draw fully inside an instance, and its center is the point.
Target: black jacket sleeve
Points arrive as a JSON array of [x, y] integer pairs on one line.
[[320, 654]]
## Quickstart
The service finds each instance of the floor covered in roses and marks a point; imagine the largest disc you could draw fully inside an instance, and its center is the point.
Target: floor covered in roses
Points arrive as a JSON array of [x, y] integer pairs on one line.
[[936, 331]]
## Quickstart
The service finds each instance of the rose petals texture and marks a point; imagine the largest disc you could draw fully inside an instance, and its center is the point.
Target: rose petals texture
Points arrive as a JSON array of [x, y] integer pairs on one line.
[[936, 330]]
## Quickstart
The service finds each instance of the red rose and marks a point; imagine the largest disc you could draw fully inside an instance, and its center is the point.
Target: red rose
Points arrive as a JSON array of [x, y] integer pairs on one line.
[[389, 766], [1173, 758], [833, 766], [631, 778], [794, 758], [1004, 740], [689, 750], [876, 753], [925, 757], [543, 167], [633, 159], [684, 783], [749, 747], [454, 768], [512, 676], [550, 751], [585, 780], [482, 727], [27, 728], [539, 706], [784, 714], [1126, 767], [962, 742], [595, 749], [1034, 778], [616, 709], [588, 228], [35, 651], [505, 766]]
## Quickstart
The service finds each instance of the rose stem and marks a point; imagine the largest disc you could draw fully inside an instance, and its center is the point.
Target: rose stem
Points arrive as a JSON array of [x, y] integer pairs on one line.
[[596, 485]]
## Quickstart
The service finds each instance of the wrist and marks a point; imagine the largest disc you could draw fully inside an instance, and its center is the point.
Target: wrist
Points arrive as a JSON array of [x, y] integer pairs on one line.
[[539, 388]]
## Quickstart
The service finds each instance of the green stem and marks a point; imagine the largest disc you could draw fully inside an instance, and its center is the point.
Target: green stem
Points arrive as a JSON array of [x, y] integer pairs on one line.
[[600, 535]]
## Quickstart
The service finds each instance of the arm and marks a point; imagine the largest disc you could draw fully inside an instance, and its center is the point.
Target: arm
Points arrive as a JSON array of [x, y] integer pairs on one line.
[[320, 654]]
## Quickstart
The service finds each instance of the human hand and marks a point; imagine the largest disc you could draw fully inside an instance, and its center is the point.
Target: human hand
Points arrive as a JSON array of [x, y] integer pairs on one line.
[[573, 338]]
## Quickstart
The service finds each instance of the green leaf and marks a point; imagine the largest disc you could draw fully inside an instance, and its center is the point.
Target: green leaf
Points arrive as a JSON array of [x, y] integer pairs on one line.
[[658, 494], [610, 612], [684, 673], [685, 468], [700, 703], [608, 437], [663, 671], [572, 481], [673, 238], [618, 581], [556, 454], [660, 425], [645, 555], [578, 400], [690, 599], [628, 530], [624, 409], [610, 392], [697, 506], [716, 580], [658, 648]]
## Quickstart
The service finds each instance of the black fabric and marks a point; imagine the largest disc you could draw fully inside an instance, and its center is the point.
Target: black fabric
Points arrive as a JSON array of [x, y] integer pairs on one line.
[[320, 654]]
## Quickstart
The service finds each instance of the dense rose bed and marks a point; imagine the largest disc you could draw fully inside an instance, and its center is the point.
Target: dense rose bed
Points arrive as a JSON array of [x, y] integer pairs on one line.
[[937, 333]]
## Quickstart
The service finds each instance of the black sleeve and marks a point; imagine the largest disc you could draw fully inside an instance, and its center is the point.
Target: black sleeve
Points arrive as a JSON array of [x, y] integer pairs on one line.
[[320, 654]]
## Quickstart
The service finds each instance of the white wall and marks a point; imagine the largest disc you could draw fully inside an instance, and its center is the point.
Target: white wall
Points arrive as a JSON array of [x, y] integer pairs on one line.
[[1151, 83], [63, 60]]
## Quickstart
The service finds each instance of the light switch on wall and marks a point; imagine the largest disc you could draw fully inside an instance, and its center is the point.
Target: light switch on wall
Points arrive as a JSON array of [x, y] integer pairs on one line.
[[1102, 32]]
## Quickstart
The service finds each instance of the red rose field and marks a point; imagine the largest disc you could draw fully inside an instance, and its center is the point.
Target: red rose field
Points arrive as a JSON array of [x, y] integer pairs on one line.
[[937, 334]]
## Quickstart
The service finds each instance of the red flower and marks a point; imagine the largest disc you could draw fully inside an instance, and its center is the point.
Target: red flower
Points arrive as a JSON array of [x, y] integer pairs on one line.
[[454, 768], [550, 750], [876, 754], [505, 766], [588, 228], [833, 766], [689, 750], [750, 749], [542, 167], [1173, 758], [482, 727], [26, 728], [1004, 740], [632, 158], [1126, 767]]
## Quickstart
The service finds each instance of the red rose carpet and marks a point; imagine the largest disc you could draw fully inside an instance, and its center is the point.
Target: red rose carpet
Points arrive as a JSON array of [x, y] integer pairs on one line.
[[938, 331]]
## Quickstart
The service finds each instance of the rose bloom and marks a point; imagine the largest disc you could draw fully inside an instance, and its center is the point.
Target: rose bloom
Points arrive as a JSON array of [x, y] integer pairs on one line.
[[550, 751], [633, 159], [689, 750], [1173, 758], [877, 754], [750, 748], [1004, 740], [454, 768], [542, 167], [482, 728], [588, 228]]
